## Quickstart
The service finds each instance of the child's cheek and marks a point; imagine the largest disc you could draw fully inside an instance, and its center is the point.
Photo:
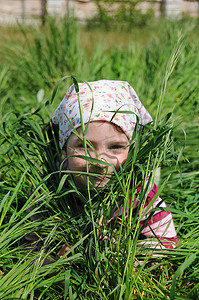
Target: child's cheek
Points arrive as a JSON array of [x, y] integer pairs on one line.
[[76, 164], [122, 158]]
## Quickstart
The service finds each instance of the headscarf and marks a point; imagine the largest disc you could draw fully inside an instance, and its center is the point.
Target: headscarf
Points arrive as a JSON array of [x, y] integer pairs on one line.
[[100, 101]]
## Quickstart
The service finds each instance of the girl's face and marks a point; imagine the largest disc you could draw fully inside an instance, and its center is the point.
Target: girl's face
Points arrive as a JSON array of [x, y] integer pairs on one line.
[[111, 145]]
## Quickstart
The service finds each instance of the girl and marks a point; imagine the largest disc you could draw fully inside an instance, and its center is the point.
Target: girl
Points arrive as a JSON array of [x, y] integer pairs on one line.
[[110, 108]]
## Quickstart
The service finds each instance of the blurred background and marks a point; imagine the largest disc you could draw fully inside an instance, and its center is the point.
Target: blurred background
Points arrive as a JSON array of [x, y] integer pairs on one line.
[[83, 10]]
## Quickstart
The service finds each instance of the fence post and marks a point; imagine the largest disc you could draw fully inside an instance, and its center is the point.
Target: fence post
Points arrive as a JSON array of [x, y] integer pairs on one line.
[[23, 11], [67, 12], [170, 8], [43, 11]]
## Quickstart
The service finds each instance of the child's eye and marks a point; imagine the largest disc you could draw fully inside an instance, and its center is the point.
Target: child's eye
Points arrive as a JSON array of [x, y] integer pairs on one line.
[[80, 146], [116, 147]]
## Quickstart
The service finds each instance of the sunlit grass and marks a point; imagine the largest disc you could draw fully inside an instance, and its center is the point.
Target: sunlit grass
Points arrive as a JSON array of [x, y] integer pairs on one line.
[[95, 268]]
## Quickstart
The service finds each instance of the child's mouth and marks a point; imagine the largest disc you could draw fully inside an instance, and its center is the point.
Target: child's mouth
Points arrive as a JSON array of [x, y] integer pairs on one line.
[[100, 180], [101, 177]]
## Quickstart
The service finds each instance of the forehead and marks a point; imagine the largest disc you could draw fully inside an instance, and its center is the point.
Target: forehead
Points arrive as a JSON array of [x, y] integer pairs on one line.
[[101, 130]]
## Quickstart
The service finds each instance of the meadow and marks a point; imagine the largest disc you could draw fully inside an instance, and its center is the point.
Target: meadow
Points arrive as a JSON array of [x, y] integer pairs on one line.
[[160, 61]]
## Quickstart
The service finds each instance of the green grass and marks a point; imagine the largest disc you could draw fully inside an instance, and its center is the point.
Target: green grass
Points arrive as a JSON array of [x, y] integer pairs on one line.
[[163, 69]]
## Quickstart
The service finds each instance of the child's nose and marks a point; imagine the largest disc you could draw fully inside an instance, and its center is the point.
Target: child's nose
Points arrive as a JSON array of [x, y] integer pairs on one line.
[[102, 165], [104, 157], [99, 155]]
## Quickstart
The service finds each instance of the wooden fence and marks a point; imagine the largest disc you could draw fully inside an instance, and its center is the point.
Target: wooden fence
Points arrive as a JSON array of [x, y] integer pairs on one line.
[[28, 10]]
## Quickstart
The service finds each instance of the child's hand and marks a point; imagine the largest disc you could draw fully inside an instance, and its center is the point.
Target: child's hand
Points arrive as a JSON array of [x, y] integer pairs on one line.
[[65, 248]]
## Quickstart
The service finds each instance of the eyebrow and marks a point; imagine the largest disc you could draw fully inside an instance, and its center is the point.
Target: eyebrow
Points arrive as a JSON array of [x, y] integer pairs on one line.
[[114, 138], [76, 138]]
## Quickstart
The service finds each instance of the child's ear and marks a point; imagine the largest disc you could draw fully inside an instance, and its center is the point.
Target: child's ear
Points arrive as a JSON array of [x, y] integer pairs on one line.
[[63, 153]]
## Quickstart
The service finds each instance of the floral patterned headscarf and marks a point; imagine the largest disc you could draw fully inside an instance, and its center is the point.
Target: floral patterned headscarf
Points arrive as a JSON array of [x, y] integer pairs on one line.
[[100, 101]]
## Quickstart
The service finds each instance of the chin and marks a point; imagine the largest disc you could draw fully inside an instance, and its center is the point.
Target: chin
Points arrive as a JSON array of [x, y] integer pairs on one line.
[[96, 182], [101, 183]]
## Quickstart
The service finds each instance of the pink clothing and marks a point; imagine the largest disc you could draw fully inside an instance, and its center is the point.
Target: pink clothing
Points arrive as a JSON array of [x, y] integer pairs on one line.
[[160, 225]]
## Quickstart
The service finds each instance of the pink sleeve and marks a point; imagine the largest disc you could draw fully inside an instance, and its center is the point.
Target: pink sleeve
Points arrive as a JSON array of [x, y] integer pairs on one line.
[[160, 224]]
